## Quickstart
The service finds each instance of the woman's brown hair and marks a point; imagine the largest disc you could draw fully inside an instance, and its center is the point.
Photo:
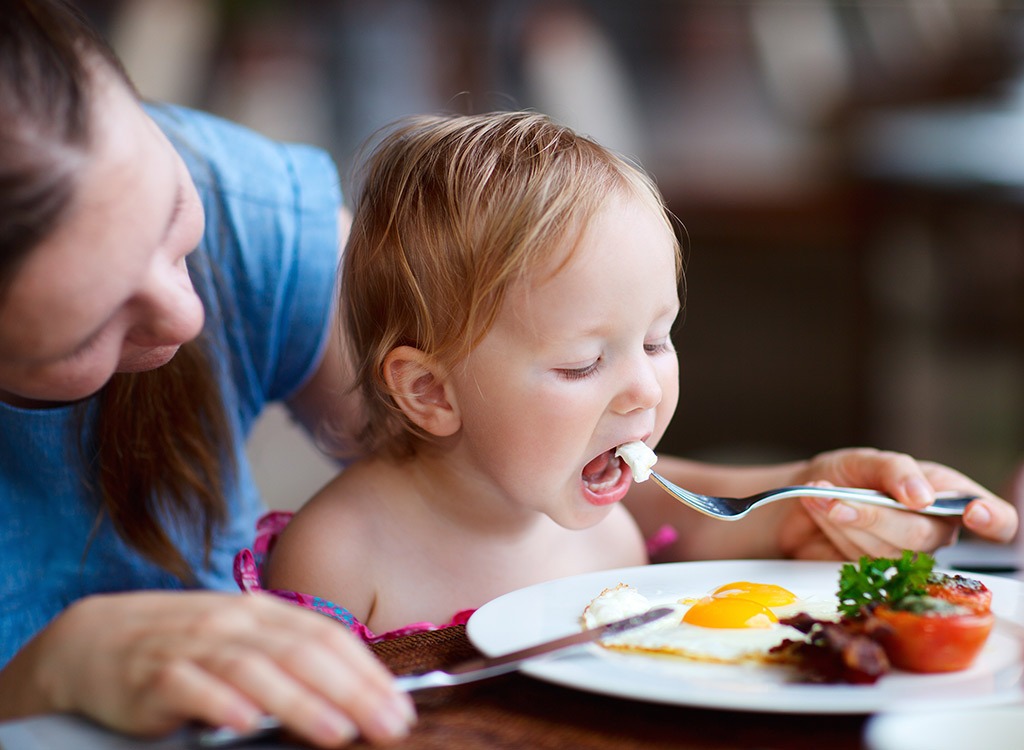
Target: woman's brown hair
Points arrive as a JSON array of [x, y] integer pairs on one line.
[[158, 453]]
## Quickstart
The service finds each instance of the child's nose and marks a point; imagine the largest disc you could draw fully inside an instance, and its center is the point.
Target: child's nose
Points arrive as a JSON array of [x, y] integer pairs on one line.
[[642, 391]]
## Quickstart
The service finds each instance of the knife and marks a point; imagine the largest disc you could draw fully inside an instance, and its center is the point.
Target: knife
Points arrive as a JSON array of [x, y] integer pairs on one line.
[[479, 668]]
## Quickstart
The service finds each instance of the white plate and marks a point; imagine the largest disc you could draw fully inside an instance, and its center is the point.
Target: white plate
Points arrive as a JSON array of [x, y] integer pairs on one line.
[[988, 727], [548, 610]]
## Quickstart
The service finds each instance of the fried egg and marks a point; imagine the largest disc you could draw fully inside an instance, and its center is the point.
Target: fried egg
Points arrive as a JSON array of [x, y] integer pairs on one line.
[[639, 457], [735, 623]]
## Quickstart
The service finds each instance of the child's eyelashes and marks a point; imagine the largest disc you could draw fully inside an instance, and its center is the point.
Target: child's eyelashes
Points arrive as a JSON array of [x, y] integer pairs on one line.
[[659, 348], [586, 371], [579, 373]]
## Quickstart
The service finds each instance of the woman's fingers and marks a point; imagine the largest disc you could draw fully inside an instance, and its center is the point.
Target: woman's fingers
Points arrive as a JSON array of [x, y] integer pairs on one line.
[[897, 474], [183, 691], [861, 529], [148, 663], [992, 519], [312, 674], [857, 529], [331, 683], [281, 693]]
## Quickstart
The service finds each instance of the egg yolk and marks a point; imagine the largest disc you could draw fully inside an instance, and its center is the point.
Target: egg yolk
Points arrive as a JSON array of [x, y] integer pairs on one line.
[[729, 612], [767, 594]]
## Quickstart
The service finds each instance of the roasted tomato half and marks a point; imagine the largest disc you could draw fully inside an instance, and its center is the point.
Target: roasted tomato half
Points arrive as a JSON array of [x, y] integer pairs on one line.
[[967, 592], [929, 635]]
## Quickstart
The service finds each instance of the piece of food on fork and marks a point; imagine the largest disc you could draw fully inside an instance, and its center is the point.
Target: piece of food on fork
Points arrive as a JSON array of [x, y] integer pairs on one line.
[[639, 458]]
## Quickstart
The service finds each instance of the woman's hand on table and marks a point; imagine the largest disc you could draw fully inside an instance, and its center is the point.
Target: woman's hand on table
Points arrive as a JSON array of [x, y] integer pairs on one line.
[[830, 529], [147, 663]]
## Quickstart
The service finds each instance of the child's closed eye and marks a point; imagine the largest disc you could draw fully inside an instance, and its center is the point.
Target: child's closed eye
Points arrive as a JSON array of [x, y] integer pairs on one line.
[[660, 347], [579, 373]]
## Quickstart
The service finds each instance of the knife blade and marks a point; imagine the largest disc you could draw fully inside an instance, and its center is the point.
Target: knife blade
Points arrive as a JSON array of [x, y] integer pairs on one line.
[[483, 667], [471, 670]]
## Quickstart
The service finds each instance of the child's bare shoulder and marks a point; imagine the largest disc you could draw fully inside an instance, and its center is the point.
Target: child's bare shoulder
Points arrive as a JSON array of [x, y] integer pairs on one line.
[[340, 510], [328, 542]]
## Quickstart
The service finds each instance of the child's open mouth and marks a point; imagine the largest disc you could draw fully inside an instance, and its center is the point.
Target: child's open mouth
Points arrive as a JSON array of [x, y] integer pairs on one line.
[[605, 479]]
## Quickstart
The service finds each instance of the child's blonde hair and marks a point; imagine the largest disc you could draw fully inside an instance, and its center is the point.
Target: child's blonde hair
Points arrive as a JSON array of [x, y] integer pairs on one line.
[[453, 209]]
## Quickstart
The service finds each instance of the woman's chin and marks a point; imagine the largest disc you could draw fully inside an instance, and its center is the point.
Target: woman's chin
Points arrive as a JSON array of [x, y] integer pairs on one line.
[[149, 359]]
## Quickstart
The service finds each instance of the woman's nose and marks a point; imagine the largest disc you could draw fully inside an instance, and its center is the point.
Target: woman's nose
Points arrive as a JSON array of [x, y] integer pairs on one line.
[[169, 312]]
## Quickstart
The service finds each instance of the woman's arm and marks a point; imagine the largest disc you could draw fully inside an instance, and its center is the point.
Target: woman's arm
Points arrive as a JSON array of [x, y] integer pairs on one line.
[[326, 406], [148, 663]]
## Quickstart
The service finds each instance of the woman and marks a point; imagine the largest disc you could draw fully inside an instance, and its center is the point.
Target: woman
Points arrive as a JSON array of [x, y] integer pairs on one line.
[[163, 276], [123, 414]]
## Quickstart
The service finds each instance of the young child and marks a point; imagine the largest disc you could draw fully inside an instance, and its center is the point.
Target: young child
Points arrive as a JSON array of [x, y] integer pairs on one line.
[[510, 289]]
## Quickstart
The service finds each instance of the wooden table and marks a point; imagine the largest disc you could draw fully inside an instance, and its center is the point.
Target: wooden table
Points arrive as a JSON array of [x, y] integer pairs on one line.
[[517, 711]]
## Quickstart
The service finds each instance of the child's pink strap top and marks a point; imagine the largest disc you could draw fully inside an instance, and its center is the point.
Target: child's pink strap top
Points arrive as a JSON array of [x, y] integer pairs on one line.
[[248, 575]]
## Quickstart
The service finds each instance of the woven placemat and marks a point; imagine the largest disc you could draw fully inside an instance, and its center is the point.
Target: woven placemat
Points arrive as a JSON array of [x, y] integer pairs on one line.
[[434, 649]]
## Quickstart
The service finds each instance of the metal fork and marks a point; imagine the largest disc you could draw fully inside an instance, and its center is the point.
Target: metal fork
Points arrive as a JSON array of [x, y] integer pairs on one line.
[[735, 508]]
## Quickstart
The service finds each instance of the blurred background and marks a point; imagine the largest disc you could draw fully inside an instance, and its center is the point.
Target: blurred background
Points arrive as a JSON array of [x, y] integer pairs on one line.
[[849, 173]]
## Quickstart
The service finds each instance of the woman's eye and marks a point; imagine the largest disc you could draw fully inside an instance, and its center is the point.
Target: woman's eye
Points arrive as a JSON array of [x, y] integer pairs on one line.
[[579, 373]]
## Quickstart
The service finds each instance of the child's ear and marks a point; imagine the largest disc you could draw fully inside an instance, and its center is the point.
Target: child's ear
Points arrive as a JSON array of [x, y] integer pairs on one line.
[[422, 391]]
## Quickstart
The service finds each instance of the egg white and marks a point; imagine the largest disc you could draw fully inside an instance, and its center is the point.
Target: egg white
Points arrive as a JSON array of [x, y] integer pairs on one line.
[[671, 636]]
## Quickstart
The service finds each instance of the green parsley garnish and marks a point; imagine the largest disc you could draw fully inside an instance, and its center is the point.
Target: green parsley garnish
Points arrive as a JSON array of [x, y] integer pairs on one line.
[[881, 579]]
